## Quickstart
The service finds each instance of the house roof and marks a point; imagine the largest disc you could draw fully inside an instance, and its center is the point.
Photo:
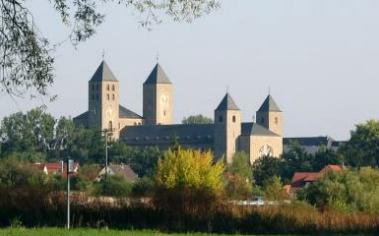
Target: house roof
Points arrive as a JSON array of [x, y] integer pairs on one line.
[[55, 167], [254, 129], [126, 113], [227, 103], [300, 178], [269, 104], [157, 76], [103, 73], [331, 168], [124, 170]]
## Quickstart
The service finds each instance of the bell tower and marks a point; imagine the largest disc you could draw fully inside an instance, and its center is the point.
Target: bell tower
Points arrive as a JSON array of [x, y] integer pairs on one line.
[[227, 118], [104, 100], [158, 98], [270, 116]]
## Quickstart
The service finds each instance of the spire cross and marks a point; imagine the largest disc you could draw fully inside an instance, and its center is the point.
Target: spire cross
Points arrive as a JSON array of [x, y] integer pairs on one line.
[[227, 89], [157, 57], [269, 90], [103, 54]]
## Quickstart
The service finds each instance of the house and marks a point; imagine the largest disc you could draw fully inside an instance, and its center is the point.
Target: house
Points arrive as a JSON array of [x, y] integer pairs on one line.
[[303, 179], [56, 168], [121, 170]]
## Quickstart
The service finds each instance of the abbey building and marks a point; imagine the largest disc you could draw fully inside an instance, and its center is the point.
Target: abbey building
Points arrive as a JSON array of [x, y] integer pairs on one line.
[[227, 135]]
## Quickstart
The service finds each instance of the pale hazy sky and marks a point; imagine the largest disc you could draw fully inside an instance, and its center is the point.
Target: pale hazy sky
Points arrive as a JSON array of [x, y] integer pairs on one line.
[[320, 58]]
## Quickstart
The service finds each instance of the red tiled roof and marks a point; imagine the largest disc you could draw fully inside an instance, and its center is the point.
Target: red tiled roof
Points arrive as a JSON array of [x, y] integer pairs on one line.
[[300, 178], [312, 177], [331, 168]]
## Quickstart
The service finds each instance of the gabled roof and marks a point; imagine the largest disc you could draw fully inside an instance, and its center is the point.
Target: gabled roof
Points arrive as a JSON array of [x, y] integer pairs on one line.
[[83, 116], [227, 103], [103, 73], [269, 105], [126, 113], [157, 76], [254, 129]]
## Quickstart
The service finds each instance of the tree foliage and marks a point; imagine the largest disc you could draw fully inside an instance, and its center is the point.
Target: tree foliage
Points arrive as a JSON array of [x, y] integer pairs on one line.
[[239, 181], [25, 55], [363, 147], [349, 190], [196, 119], [189, 169]]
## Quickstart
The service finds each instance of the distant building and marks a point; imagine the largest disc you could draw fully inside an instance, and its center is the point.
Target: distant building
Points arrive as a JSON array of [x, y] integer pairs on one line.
[[56, 168], [312, 144], [303, 179], [227, 135], [121, 170]]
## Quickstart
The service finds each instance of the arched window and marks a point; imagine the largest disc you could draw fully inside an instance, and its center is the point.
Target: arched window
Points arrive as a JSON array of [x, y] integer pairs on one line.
[[234, 119], [107, 87], [113, 87], [110, 126], [276, 120], [113, 97], [220, 119], [107, 96]]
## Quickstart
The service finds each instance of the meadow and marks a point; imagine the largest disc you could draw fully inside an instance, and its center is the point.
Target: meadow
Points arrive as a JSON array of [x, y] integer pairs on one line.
[[83, 232]]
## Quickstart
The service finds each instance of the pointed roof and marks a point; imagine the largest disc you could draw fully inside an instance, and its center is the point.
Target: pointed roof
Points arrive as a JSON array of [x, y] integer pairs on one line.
[[227, 103], [157, 76], [103, 73], [269, 105]]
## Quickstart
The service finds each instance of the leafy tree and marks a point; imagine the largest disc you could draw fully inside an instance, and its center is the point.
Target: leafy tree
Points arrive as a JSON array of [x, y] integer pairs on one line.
[[265, 168], [239, 177], [143, 187], [197, 119], [363, 147], [187, 181], [189, 168], [26, 61], [349, 190], [273, 189]]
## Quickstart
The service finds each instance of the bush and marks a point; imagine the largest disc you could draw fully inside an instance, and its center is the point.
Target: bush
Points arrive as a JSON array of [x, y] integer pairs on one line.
[[114, 185]]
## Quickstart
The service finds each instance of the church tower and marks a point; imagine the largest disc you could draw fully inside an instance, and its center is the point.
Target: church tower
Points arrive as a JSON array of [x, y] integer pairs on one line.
[[227, 118], [270, 116], [104, 100], [157, 98]]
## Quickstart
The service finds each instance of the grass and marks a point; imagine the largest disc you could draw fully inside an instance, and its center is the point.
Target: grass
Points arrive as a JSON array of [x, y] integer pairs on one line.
[[82, 232]]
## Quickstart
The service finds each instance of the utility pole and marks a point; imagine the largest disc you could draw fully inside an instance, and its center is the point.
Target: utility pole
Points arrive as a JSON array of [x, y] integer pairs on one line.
[[106, 154], [68, 192]]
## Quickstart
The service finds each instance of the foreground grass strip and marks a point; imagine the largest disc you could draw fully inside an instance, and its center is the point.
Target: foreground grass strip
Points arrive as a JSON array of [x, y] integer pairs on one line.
[[83, 232]]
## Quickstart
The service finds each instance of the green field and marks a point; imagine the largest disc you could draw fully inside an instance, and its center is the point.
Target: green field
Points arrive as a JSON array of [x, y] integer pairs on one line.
[[80, 232]]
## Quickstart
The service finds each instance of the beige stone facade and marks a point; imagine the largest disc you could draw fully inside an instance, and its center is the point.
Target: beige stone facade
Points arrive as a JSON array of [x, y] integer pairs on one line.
[[226, 136]]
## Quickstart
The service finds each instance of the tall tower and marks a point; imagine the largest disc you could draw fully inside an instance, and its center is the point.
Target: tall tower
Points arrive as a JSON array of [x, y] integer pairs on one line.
[[227, 128], [104, 100], [157, 98], [270, 116]]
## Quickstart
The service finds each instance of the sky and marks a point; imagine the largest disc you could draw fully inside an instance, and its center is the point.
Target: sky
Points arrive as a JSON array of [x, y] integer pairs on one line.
[[319, 59]]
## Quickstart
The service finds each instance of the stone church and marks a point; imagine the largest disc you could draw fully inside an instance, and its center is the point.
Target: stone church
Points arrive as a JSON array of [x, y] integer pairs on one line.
[[227, 135]]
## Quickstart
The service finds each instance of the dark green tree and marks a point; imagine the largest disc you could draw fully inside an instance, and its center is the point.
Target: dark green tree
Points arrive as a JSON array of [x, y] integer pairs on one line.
[[363, 147], [196, 119], [265, 168]]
